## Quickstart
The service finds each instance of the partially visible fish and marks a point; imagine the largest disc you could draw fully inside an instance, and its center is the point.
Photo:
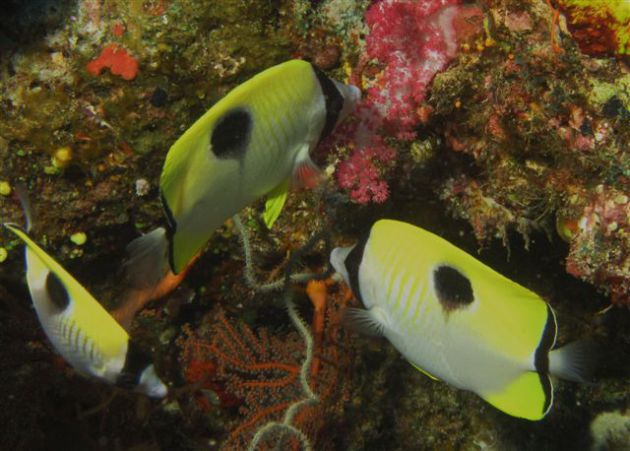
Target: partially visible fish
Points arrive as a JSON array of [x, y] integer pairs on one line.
[[79, 328]]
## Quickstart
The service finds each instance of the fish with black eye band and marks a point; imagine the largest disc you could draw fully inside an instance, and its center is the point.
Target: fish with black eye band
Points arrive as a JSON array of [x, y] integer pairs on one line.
[[254, 142], [457, 320], [78, 327]]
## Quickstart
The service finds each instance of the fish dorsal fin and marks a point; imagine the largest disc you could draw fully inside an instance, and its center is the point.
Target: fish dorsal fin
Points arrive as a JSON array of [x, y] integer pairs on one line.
[[366, 322], [275, 201], [305, 172], [528, 396], [47, 261], [425, 372]]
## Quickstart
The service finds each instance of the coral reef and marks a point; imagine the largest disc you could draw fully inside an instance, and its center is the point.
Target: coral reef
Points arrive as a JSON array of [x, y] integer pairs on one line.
[[478, 119], [533, 138], [599, 28], [407, 44], [117, 59]]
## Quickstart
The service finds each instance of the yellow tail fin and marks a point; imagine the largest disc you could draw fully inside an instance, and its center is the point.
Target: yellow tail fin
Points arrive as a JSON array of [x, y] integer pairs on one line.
[[528, 396]]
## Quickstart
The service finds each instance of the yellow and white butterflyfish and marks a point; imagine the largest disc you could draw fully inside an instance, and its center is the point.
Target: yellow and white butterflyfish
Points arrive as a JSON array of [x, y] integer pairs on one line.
[[250, 144], [80, 329], [457, 320]]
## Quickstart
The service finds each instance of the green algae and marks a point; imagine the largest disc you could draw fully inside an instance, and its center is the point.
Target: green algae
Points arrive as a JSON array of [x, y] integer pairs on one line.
[[603, 91]]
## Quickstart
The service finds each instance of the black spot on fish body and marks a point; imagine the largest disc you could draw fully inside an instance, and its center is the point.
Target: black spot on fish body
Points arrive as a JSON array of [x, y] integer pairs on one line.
[[136, 361], [57, 291], [333, 99], [231, 134], [453, 288]]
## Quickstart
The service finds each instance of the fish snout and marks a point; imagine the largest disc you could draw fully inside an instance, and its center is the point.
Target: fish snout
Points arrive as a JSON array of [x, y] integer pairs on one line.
[[151, 385], [351, 97]]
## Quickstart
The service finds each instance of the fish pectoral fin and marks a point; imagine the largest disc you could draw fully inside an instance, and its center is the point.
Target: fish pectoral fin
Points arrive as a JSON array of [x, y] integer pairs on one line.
[[306, 173], [275, 201], [425, 372], [527, 396], [365, 322]]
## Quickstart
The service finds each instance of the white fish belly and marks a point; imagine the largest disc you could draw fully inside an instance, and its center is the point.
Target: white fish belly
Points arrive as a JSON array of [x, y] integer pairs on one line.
[[65, 334], [439, 347]]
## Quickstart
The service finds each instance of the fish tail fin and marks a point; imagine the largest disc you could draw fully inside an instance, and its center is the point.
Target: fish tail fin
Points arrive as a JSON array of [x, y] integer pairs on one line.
[[147, 259], [575, 361]]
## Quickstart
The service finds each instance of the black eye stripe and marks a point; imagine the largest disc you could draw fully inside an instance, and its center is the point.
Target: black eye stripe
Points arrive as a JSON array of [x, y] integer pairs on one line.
[[452, 288], [333, 99], [57, 291], [352, 263], [231, 134]]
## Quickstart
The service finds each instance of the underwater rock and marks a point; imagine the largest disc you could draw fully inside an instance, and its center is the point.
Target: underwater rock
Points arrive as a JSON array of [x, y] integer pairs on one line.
[[610, 431], [601, 28]]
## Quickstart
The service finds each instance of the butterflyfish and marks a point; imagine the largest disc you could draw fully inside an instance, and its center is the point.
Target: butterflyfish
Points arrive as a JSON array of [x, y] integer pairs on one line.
[[255, 141], [78, 327], [456, 319]]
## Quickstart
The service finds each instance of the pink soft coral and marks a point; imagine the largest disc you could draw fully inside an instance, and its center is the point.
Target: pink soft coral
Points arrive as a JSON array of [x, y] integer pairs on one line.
[[361, 174], [410, 41]]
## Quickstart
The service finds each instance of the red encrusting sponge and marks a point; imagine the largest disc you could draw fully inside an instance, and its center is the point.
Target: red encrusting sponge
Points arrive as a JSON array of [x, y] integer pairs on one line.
[[117, 59]]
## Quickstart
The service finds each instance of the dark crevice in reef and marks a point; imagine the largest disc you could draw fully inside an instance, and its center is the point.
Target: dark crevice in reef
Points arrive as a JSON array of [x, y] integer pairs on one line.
[[24, 22]]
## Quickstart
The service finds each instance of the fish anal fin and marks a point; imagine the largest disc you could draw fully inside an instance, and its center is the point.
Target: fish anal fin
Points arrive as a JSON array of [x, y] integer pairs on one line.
[[306, 173], [275, 201], [425, 372], [528, 396]]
